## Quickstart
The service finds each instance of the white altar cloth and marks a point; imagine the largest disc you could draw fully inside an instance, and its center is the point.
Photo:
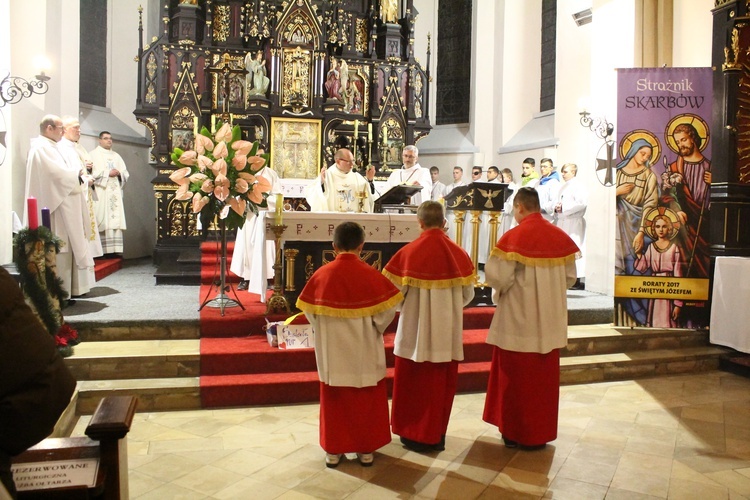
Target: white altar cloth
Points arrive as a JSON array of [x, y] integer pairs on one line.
[[319, 226], [730, 314]]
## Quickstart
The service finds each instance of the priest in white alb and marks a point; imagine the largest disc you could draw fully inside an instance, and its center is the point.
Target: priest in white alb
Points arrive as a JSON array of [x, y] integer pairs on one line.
[[253, 256], [110, 175], [57, 187], [412, 174], [78, 158], [340, 189]]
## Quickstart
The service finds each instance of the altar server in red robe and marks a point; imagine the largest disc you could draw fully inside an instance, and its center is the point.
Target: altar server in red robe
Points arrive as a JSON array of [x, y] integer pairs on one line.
[[530, 269], [436, 277], [350, 304]]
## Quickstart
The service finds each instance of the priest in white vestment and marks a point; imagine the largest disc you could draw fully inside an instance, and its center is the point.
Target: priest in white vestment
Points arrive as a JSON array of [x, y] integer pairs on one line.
[[458, 174], [110, 175], [569, 211], [75, 154], [253, 256], [340, 189], [412, 174], [57, 187]]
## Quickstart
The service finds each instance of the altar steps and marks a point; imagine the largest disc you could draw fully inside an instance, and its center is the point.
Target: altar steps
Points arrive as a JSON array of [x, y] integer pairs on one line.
[[164, 374]]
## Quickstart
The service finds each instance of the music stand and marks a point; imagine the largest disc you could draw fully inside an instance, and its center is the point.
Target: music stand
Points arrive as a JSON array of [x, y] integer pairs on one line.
[[396, 197]]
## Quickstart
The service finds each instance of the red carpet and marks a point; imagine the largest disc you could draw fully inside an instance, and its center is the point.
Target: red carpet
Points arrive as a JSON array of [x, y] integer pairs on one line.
[[104, 267], [239, 367]]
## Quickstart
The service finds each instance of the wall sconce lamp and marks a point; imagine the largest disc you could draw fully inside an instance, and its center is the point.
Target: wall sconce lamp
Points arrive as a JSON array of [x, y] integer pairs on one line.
[[600, 126], [14, 88]]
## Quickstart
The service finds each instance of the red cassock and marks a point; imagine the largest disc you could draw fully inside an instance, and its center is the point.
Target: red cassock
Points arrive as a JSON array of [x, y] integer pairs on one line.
[[523, 395], [524, 384], [426, 376], [353, 415]]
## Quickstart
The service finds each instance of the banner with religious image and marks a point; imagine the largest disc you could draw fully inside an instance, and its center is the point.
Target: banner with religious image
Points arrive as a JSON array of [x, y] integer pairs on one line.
[[663, 177]]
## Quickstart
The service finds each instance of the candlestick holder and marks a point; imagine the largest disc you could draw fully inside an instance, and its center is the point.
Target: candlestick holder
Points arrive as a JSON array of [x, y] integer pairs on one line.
[[277, 302]]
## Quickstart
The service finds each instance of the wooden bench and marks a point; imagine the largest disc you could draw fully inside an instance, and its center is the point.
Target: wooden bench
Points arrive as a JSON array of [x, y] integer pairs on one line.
[[94, 466]]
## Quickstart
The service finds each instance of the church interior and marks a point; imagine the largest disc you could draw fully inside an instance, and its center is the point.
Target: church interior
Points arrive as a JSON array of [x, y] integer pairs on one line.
[[210, 409]]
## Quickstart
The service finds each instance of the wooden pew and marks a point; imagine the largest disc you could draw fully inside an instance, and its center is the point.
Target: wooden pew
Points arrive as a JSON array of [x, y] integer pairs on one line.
[[101, 456]]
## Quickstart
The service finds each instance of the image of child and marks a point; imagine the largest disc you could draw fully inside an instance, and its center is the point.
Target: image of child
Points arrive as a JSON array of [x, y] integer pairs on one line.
[[662, 258]]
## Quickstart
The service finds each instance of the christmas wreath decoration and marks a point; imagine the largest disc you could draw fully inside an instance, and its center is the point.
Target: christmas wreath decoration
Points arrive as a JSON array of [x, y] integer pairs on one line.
[[35, 256]]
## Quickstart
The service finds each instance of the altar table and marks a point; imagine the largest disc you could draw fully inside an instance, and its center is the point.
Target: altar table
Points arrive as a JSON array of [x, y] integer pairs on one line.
[[730, 314], [307, 241]]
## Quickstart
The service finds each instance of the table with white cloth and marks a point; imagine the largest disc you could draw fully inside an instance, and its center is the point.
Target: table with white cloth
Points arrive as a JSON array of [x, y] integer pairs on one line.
[[730, 304], [307, 241]]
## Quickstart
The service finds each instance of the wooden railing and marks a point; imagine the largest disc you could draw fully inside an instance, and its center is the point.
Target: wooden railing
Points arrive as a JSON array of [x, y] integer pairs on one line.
[[94, 466]]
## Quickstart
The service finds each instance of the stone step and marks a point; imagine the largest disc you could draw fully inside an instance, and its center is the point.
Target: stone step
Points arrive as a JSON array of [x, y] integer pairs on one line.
[[117, 359], [154, 394], [630, 365], [183, 393], [132, 359], [131, 331]]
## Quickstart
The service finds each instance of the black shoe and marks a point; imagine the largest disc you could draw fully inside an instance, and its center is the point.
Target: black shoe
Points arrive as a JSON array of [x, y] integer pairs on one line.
[[440, 445], [510, 444], [579, 285], [533, 447], [244, 284], [415, 445], [70, 302]]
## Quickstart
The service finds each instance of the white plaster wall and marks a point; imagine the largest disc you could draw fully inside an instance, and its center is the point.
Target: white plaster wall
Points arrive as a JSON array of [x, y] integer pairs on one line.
[[51, 28], [32, 32], [692, 29], [577, 144], [521, 65], [6, 188]]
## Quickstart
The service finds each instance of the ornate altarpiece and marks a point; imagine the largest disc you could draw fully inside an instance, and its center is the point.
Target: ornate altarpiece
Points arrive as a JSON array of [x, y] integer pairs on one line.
[[306, 77]]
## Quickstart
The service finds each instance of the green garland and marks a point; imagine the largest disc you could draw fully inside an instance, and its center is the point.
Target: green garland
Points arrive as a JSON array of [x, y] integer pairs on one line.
[[40, 297]]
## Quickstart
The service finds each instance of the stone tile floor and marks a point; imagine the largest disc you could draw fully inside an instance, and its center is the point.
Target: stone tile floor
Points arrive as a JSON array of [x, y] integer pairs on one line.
[[684, 436]]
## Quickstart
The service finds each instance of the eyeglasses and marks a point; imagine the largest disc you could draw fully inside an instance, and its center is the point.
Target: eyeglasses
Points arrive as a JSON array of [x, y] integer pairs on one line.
[[347, 161], [476, 173]]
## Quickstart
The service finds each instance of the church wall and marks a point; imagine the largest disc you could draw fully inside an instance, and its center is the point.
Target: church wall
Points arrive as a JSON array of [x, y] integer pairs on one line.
[[447, 145], [51, 28], [131, 139], [32, 34], [692, 33], [574, 91], [521, 63], [6, 188]]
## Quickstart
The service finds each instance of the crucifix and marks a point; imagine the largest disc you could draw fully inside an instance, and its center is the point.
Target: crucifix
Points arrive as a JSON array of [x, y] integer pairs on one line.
[[225, 71]]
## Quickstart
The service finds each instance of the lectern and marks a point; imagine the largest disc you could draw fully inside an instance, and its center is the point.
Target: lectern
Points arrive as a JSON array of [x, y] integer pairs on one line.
[[476, 198], [397, 198]]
